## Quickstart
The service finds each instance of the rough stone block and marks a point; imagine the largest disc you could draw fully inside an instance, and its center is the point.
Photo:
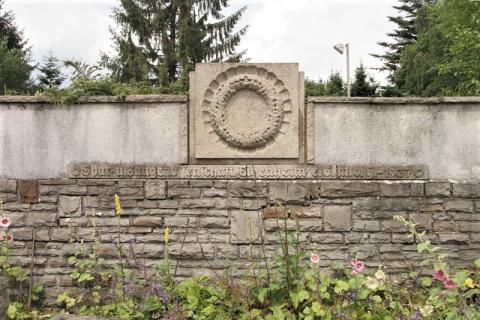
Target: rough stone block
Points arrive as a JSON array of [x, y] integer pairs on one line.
[[469, 227], [246, 226], [405, 204], [28, 191], [393, 226], [247, 189], [214, 223], [275, 212], [337, 218], [41, 219], [214, 192], [442, 226], [464, 190], [307, 212], [373, 204], [431, 205], [184, 193], [395, 189], [68, 190], [326, 238], [155, 189], [423, 220], [292, 193], [69, 205], [310, 225], [366, 225], [253, 204], [191, 251], [459, 205], [437, 189], [8, 186], [452, 238], [146, 221], [347, 189]]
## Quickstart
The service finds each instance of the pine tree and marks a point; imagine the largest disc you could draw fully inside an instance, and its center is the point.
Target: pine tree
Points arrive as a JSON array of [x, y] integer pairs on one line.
[[50, 73], [335, 85], [363, 85], [9, 31], [404, 34], [162, 40], [15, 68]]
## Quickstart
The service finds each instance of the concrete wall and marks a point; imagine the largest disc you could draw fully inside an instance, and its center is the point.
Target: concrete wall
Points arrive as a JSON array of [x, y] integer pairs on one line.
[[443, 134], [39, 140]]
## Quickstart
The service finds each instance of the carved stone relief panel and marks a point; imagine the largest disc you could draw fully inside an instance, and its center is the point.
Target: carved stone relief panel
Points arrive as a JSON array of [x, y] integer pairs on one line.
[[245, 111]]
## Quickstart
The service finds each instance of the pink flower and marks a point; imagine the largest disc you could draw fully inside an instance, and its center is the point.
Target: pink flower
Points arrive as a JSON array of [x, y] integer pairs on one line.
[[358, 266], [1, 236], [5, 222], [439, 275], [314, 258], [449, 284]]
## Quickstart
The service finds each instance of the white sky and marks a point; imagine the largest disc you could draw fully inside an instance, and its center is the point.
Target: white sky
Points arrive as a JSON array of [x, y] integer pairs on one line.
[[302, 31]]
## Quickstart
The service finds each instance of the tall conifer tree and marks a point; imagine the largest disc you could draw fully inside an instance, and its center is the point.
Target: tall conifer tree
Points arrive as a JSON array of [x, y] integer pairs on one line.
[[163, 39], [9, 31], [404, 34]]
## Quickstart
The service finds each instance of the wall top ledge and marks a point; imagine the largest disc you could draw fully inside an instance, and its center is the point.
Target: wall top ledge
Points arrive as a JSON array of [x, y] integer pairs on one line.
[[396, 100], [153, 98]]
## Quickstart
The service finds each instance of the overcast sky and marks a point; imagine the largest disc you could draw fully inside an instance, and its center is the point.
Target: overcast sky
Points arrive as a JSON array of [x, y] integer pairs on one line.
[[302, 31]]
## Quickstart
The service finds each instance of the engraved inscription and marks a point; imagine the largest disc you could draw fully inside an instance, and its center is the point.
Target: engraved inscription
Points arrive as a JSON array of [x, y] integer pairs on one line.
[[262, 172]]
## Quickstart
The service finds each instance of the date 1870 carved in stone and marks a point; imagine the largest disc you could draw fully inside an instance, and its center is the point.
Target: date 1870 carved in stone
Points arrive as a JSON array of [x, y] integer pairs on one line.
[[246, 111]]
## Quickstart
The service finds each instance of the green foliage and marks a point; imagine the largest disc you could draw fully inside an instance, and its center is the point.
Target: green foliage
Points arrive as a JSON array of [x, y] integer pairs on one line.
[[162, 40], [14, 70], [404, 34], [444, 59], [50, 75], [363, 85], [335, 85], [9, 31], [314, 88]]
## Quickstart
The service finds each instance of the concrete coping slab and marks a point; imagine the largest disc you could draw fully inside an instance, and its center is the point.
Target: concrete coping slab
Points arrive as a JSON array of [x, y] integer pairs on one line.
[[394, 100], [152, 98]]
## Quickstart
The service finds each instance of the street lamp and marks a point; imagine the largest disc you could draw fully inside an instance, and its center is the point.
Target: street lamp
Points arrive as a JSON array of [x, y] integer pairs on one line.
[[340, 48]]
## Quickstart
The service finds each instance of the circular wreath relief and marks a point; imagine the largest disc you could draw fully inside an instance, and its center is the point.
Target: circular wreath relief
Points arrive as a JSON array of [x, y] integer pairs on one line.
[[254, 79]]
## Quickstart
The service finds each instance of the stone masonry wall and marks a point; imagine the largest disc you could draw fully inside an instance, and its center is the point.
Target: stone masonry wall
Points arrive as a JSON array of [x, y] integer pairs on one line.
[[217, 221]]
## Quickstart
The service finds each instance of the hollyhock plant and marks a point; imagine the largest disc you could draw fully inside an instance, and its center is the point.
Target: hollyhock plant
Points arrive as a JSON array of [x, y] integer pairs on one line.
[[358, 266], [9, 238], [5, 222], [439, 275], [314, 258], [449, 284]]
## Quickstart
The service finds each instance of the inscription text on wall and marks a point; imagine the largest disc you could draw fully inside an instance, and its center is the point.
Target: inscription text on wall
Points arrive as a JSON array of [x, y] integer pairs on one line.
[[266, 172]]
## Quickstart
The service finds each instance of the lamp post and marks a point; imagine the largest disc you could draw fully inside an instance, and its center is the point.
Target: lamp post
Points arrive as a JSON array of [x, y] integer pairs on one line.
[[341, 48]]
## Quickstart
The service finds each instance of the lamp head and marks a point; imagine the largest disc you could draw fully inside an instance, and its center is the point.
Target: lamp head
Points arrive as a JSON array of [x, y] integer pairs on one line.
[[340, 48]]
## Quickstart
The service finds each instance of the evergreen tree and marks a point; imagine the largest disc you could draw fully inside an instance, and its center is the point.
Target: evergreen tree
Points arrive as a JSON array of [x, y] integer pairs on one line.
[[445, 58], [50, 73], [162, 40], [14, 70], [363, 85], [314, 88], [335, 85], [404, 34], [9, 31]]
